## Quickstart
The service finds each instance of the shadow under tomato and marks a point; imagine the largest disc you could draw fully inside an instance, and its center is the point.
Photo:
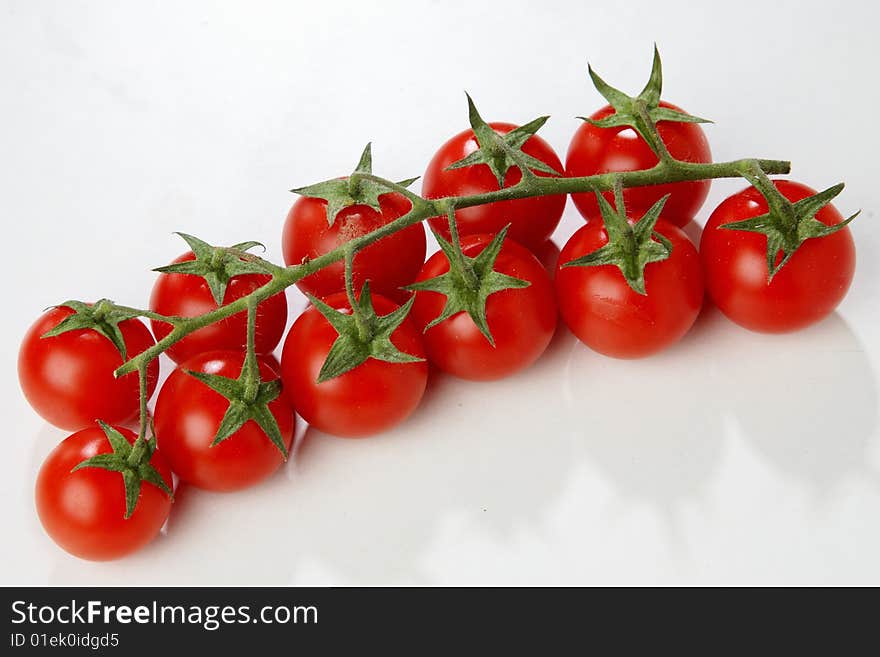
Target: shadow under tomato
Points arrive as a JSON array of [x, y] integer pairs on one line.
[[806, 401], [379, 506], [643, 429]]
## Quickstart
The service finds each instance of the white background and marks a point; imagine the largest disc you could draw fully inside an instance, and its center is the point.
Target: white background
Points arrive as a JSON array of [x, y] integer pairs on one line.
[[745, 459]]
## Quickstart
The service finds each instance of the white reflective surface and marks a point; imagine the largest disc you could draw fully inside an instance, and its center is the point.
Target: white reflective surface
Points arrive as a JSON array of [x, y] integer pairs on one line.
[[731, 458]]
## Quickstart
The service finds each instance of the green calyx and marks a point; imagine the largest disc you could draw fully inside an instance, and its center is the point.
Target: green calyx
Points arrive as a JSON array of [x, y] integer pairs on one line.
[[102, 317], [642, 112], [341, 193], [249, 397], [787, 225], [132, 461], [216, 264], [501, 152], [469, 282], [363, 334], [630, 247]]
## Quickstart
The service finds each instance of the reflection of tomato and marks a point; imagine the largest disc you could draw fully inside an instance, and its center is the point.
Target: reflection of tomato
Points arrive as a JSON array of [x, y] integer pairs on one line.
[[606, 314], [188, 414], [389, 264], [532, 220], [188, 295], [68, 378], [807, 288], [84, 511], [522, 321], [599, 150], [374, 396]]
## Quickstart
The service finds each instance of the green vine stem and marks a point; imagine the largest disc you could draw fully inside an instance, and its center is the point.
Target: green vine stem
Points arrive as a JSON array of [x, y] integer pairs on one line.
[[666, 171], [251, 368]]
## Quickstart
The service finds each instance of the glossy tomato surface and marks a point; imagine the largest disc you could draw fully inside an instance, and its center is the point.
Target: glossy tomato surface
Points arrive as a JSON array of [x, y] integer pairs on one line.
[[389, 264], [522, 321], [68, 379], [600, 150], [188, 414], [532, 220], [808, 287], [372, 397], [84, 511], [188, 295], [607, 315]]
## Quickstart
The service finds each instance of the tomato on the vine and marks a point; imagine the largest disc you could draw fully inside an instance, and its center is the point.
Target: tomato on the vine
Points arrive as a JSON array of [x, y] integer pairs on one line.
[[605, 313], [805, 290], [374, 396], [389, 263], [189, 414], [521, 320], [595, 150], [532, 220], [84, 510], [68, 378], [188, 295]]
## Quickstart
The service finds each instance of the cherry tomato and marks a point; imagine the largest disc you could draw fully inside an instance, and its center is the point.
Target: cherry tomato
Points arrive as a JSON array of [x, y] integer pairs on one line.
[[188, 295], [373, 397], [389, 264], [599, 150], [188, 414], [522, 320], [68, 378], [84, 511], [548, 255], [607, 315], [808, 287], [532, 220]]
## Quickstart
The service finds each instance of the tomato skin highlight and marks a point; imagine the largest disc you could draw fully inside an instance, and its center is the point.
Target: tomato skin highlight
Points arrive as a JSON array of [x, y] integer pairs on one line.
[[68, 379], [532, 220], [808, 287], [84, 511], [188, 295], [188, 414], [607, 315], [595, 150], [522, 321], [371, 398], [389, 263]]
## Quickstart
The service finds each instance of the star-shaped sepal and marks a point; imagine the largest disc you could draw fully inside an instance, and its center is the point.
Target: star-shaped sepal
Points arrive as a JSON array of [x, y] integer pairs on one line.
[[341, 193], [788, 225], [249, 398], [630, 247], [132, 462], [363, 334], [641, 112], [103, 317], [217, 264], [501, 152], [469, 283]]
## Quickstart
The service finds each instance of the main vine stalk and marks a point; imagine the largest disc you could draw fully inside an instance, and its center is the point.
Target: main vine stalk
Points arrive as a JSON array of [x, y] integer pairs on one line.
[[666, 171]]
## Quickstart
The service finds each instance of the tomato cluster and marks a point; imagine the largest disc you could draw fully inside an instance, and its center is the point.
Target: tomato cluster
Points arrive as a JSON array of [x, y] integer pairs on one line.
[[628, 284]]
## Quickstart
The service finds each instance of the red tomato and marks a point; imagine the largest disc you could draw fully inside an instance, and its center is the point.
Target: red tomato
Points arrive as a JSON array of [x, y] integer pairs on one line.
[[532, 220], [68, 378], [522, 321], [807, 288], [600, 150], [373, 397], [188, 295], [84, 511], [188, 414], [607, 315], [548, 255], [389, 264]]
